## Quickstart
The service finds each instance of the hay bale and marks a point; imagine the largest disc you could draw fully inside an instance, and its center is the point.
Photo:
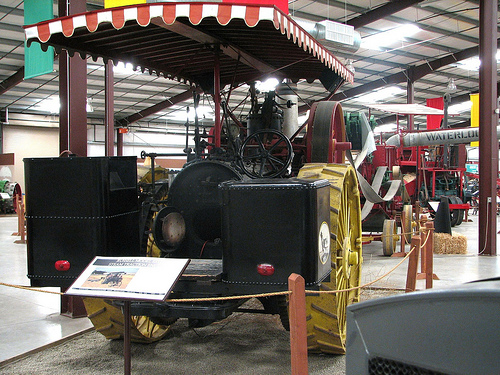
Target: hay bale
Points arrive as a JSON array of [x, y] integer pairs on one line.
[[450, 244]]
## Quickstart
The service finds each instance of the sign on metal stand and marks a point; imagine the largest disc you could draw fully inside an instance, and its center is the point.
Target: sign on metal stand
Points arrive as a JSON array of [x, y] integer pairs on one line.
[[128, 279]]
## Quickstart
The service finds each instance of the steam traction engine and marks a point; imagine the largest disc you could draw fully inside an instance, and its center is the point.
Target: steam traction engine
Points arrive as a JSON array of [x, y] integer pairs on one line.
[[258, 199]]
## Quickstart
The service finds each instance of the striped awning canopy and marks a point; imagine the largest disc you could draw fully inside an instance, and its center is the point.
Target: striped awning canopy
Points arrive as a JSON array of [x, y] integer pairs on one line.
[[181, 40]]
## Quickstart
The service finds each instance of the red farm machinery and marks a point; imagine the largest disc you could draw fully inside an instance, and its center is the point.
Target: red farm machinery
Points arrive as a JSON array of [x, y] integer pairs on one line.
[[427, 165]]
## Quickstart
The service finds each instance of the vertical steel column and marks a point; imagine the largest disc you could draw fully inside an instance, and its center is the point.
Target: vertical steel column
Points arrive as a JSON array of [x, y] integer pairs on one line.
[[63, 99], [119, 143], [73, 92], [217, 125], [488, 119], [410, 98], [109, 108]]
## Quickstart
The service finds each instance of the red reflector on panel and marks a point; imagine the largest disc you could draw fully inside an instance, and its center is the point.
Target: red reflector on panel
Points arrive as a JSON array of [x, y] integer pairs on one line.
[[265, 269], [62, 265]]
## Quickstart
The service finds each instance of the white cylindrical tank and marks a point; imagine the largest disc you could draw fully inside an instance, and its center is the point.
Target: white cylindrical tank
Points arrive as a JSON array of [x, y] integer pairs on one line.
[[287, 99], [437, 137]]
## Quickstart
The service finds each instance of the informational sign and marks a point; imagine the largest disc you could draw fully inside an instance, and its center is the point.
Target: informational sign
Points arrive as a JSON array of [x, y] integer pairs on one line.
[[137, 278], [472, 168]]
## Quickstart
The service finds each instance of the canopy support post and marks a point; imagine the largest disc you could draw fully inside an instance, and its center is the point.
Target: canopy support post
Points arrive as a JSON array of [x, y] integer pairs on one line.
[[217, 97]]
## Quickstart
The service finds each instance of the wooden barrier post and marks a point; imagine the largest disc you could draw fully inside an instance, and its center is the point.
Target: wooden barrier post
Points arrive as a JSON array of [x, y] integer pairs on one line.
[[423, 236], [298, 329], [411, 276], [427, 241], [18, 211], [429, 254], [21, 227]]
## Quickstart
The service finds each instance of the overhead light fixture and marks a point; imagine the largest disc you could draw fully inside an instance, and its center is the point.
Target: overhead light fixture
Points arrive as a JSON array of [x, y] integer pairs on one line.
[[267, 85], [451, 85], [473, 63], [50, 105], [89, 106], [350, 66], [120, 69], [381, 94], [204, 112], [125, 69], [389, 37]]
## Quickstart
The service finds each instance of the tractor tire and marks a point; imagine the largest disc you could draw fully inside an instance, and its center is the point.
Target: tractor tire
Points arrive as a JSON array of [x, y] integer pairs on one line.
[[407, 222], [109, 320], [456, 216], [326, 313], [389, 237]]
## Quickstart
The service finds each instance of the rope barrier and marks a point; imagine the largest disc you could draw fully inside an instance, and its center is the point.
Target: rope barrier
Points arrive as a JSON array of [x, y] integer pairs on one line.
[[30, 288], [364, 285], [248, 296]]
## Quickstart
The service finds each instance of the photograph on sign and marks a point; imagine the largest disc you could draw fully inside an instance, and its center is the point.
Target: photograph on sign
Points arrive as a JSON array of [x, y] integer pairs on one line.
[[139, 278]]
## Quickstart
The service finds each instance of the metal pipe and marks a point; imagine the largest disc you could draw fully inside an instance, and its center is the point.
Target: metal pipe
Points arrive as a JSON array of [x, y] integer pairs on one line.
[[438, 137]]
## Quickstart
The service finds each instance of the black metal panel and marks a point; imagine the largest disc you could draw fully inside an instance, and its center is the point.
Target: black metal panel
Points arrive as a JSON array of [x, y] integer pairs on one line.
[[274, 221], [77, 208]]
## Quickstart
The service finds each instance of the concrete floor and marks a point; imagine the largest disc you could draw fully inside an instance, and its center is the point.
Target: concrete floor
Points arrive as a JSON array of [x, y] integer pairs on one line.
[[31, 320]]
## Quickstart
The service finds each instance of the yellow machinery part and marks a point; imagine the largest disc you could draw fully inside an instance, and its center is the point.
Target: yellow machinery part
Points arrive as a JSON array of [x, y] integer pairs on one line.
[[326, 313], [109, 320]]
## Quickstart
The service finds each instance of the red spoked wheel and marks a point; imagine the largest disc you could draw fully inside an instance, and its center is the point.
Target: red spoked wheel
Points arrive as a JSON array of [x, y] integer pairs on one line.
[[325, 128]]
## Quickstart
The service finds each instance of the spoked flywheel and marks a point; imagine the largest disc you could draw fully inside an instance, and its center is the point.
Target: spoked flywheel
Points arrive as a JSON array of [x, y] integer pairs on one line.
[[326, 313], [108, 319]]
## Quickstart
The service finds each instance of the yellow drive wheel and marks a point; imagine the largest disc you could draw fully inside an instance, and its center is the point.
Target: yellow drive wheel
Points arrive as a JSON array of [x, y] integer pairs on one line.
[[326, 313], [109, 320]]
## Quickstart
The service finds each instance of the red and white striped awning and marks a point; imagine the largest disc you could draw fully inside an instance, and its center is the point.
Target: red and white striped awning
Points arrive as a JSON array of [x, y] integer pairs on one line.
[[174, 38]]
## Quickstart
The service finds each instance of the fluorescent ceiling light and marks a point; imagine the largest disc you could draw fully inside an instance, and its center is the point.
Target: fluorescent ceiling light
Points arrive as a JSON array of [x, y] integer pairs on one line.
[[50, 105], [204, 112], [389, 37], [380, 94], [460, 107], [120, 69], [386, 128], [267, 85], [125, 69], [473, 63]]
